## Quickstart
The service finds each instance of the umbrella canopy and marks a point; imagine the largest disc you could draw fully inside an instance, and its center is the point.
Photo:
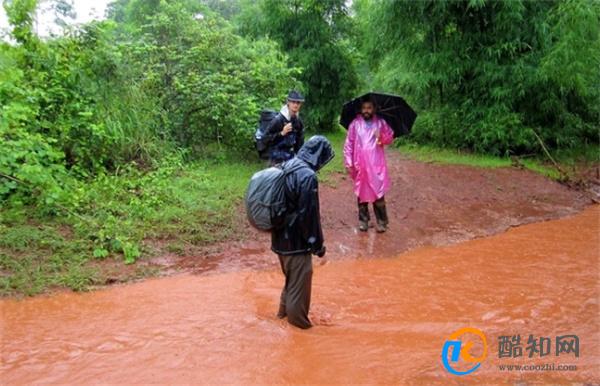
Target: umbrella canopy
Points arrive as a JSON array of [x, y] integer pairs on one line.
[[394, 109]]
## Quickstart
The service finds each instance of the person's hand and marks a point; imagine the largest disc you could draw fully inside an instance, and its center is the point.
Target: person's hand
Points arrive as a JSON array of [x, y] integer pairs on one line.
[[286, 129], [321, 252], [352, 171], [378, 137]]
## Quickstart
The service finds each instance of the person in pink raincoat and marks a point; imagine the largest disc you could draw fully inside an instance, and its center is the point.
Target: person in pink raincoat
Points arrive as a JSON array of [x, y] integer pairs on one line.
[[364, 159]]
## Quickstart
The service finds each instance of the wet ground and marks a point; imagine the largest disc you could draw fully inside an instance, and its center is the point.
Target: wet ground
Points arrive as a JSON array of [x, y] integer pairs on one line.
[[378, 321], [428, 205]]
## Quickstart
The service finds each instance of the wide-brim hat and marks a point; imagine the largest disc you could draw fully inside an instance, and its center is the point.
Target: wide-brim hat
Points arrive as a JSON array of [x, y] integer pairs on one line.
[[295, 96]]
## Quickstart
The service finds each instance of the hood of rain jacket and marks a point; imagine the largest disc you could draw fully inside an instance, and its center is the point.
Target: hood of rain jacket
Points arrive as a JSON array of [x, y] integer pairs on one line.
[[316, 152]]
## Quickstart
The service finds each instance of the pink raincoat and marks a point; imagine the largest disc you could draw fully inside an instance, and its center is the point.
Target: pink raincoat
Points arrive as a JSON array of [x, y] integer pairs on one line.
[[364, 157]]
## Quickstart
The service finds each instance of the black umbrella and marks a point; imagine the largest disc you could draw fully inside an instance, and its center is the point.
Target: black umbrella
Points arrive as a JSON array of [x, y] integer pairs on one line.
[[396, 112]]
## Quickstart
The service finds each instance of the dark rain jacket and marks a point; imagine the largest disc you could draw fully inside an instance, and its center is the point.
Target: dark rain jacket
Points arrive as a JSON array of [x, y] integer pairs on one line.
[[284, 147], [302, 231]]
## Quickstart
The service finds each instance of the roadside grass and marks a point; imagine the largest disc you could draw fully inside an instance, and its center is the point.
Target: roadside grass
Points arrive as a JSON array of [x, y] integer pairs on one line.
[[184, 205], [35, 257], [582, 154], [181, 205], [336, 165], [425, 153]]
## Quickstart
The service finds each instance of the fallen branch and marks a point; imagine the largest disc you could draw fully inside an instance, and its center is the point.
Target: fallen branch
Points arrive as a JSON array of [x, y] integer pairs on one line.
[[564, 175]]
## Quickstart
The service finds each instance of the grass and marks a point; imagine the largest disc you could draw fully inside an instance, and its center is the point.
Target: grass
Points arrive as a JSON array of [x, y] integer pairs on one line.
[[424, 153], [578, 155], [336, 165], [184, 205]]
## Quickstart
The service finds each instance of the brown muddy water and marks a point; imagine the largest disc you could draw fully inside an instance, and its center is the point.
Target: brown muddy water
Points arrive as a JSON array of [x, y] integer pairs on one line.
[[378, 321]]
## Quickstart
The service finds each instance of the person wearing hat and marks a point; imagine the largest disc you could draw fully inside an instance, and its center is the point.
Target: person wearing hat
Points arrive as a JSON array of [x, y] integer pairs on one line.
[[285, 133]]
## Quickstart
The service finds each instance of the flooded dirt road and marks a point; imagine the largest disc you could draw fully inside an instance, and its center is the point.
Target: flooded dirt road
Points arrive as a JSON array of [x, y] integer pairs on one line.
[[379, 321]]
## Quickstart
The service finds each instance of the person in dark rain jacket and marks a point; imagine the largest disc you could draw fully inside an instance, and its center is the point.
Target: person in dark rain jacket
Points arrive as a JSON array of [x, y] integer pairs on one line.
[[285, 133], [301, 236]]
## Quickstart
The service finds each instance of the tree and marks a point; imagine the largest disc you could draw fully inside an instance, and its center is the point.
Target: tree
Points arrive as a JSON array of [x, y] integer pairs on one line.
[[209, 82], [228, 9], [486, 72], [20, 15], [103, 95], [314, 35]]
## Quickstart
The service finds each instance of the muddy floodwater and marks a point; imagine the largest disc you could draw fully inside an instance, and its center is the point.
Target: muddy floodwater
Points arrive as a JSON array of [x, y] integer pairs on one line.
[[379, 321]]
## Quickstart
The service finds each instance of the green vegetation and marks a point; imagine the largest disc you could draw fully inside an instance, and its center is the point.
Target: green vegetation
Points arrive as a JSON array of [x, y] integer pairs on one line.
[[426, 153], [316, 36], [107, 128], [337, 138], [180, 205], [487, 75], [134, 131]]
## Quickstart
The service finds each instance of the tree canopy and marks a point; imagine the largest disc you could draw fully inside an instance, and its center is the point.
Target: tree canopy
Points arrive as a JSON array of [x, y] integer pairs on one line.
[[315, 36], [487, 74]]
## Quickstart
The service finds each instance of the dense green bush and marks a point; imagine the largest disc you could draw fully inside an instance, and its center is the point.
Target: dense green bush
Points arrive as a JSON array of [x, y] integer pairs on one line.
[[134, 88], [209, 82], [485, 74], [96, 125]]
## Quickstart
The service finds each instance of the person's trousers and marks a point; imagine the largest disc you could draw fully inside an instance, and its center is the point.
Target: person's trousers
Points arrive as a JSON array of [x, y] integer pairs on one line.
[[295, 296], [378, 208]]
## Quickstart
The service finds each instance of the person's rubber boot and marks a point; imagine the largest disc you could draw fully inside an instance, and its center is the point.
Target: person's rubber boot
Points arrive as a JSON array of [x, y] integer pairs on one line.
[[381, 215], [363, 216]]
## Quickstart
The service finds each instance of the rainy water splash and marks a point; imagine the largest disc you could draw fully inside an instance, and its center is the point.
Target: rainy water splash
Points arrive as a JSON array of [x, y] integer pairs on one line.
[[378, 320]]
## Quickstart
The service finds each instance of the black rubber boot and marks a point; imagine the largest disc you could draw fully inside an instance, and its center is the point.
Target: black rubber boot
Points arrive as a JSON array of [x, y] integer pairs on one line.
[[363, 216], [380, 214]]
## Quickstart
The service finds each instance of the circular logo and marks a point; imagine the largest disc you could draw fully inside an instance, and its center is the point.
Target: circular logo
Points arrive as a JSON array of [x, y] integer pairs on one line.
[[458, 347]]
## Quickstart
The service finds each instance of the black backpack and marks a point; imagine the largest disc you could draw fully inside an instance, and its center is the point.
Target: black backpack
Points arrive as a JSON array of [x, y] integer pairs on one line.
[[266, 116], [266, 198]]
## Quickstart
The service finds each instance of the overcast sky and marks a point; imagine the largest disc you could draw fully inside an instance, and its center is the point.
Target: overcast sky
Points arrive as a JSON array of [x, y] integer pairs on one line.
[[86, 10]]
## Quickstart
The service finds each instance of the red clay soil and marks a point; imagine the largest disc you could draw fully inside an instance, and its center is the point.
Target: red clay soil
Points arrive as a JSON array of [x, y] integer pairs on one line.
[[428, 205]]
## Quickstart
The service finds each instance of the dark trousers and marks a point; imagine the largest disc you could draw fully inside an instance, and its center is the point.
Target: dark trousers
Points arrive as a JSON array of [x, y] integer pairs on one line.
[[378, 208], [295, 296]]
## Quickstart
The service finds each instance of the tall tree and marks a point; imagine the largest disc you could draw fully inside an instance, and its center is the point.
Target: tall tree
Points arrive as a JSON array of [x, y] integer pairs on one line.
[[313, 34], [487, 72]]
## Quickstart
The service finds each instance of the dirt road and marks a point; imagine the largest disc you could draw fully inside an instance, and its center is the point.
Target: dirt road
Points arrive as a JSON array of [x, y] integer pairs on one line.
[[428, 205]]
